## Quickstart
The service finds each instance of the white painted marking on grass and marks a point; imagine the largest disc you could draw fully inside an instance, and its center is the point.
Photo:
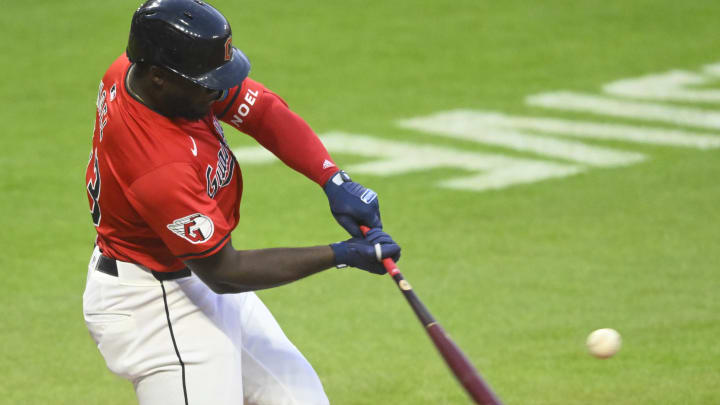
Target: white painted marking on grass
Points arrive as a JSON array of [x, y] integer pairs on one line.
[[491, 171], [713, 70], [487, 120], [254, 155], [473, 126], [570, 101], [676, 85], [496, 171]]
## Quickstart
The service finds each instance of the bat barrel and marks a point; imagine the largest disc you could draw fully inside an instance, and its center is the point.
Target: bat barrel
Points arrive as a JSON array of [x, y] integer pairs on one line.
[[461, 367], [464, 371]]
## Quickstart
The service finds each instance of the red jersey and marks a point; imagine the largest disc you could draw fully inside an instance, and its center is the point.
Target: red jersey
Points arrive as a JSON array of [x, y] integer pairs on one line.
[[165, 190]]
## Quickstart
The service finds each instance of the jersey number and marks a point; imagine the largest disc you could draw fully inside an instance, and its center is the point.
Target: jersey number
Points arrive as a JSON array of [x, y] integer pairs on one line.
[[93, 188]]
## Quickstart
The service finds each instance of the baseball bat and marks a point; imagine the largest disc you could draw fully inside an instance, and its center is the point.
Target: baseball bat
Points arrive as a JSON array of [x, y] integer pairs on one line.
[[464, 371]]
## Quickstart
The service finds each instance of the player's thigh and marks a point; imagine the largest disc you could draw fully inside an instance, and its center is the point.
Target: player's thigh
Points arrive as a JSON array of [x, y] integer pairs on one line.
[[163, 387], [208, 352], [274, 370], [201, 385]]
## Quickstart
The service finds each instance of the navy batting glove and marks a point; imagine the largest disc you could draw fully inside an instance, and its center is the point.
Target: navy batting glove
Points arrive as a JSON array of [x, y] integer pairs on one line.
[[366, 253], [352, 204]]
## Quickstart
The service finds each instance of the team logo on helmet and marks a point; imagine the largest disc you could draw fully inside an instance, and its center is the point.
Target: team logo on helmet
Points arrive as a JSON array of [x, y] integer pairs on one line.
[[195, 228], [228, 48]]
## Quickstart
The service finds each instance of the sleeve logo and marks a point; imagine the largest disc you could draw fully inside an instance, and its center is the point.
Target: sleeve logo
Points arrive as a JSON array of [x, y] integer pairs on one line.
[[195, 228]]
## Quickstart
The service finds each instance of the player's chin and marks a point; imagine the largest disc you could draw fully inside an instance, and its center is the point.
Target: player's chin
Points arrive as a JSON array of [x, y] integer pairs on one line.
[[192, 114]]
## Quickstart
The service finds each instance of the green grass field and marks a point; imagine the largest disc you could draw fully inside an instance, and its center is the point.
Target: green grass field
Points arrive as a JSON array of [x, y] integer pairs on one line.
[[518, 275]]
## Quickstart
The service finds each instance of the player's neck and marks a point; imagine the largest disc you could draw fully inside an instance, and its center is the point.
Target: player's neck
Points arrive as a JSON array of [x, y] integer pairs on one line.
[[137, 89]]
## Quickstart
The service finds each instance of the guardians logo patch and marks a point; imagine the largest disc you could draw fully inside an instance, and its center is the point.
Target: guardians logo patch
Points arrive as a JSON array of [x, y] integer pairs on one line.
[[195, 228]]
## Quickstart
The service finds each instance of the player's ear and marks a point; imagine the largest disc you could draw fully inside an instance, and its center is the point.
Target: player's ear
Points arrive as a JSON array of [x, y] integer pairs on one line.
[[157, 75]]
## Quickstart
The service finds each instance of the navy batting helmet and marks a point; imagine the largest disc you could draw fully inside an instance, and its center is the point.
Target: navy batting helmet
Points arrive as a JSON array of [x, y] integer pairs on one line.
[[190, 38]]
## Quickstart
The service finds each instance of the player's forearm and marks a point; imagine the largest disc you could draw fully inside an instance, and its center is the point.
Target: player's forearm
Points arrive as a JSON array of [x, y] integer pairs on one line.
[[249, 270], [291, 139], [263, 115]]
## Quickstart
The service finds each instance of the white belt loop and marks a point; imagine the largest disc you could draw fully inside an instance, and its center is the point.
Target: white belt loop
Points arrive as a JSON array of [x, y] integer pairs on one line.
[[94, 258]]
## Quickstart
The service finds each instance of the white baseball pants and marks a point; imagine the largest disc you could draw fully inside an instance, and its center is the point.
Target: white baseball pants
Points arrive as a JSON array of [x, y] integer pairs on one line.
[[179, 343]]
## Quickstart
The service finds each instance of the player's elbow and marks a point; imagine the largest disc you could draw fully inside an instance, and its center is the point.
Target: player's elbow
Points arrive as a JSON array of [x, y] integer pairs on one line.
[[210, 278], [220, 288], [218, 271]]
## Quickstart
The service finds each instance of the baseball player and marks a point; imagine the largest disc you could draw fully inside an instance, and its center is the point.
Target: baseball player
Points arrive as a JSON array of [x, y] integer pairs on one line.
[[169, 301]]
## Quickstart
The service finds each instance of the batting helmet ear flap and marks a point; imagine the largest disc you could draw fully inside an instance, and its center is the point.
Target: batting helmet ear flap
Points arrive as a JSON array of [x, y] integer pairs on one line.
[[190, 38]]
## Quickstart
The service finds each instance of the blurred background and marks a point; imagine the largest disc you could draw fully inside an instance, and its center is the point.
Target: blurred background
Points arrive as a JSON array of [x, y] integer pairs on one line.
[[603, 230]]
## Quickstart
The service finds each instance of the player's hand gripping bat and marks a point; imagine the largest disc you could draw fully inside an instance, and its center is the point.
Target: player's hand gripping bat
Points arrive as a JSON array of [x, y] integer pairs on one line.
[[464, 371]]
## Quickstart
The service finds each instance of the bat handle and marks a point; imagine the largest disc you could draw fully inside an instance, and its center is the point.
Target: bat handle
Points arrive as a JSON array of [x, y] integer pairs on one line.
[[388, 262]]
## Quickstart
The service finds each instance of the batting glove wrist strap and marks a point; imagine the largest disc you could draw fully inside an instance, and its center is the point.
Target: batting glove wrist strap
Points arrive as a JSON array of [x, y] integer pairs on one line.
[[366, 253], [340, 250], [352, 204]]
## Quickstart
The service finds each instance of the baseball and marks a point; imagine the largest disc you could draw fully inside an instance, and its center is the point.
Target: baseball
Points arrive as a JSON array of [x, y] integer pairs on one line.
[[604, 343]]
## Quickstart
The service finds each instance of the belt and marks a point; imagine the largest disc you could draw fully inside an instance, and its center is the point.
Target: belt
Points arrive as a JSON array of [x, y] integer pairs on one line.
[[109, 266]]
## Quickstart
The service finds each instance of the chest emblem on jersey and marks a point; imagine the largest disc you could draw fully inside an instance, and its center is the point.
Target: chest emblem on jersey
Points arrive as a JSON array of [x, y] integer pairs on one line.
[[221, 175], [195, 228]]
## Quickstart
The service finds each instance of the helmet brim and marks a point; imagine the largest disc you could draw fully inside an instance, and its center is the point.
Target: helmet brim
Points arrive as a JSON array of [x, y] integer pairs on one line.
[[227, 75]]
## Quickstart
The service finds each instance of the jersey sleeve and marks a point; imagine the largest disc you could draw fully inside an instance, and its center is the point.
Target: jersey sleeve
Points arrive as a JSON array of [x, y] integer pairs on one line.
[[262, 114], [174, 203]]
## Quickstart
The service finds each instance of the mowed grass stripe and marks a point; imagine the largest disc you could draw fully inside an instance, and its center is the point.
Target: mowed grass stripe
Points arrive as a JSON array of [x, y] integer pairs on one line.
[[518, 277]]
